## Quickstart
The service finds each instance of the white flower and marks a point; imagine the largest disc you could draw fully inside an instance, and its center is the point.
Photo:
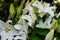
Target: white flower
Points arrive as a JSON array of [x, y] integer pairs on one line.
[[46, 24], [30, 17], [23, 31], [8, 35], [28, 9], [7, 31], [44, 8], [27, 17]]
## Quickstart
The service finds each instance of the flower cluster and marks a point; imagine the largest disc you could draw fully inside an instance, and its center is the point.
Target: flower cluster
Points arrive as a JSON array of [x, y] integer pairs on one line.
[[34, 15], [10, 32]]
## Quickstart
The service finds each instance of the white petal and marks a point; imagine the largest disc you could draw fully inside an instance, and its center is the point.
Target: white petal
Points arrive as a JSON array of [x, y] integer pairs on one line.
[[18, 27], [4, 35], [2, 24], [17, 37], [9, 21], [42, 14], [25, 27], [55, 38], [27, 17], [53, 7], [51, 13], [40, 25], [48, 20], [38, 5], [10, 38], [27, 9], [46, 24], [39, 10], [30, 23]]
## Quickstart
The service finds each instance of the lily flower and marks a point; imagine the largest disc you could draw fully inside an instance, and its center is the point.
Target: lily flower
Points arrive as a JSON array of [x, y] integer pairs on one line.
[[9, 32], [30, 17], [44, 8], [46, 24]]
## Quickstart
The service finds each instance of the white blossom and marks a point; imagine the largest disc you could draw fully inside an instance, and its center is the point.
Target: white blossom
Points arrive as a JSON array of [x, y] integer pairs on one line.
[[30, 17], [8, 31], [46, 24], [44, 8]]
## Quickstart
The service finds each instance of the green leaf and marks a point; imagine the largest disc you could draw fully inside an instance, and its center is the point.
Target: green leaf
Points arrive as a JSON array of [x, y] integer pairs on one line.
[[35, 38], [2, 0], [16, 0], [42, 31], [58, 20], [58, 29], [58, 38], [35, 10]]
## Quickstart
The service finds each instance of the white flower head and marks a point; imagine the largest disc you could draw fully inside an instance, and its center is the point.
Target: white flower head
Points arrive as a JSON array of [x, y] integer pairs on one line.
[[7, 31], [27, 9], [46, 24], [44, 8], [30, 17]]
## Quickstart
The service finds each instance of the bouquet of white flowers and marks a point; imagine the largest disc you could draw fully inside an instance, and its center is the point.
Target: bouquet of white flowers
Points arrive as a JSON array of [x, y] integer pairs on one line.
[[29, 20]]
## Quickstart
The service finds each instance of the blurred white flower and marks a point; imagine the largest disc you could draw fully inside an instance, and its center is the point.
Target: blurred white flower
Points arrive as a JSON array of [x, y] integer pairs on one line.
[[46, 24], [28, 9], [44, 8], [30, 17], [7, 31]]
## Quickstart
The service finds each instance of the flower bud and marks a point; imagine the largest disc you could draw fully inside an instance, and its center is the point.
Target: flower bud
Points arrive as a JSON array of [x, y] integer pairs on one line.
[[20, 8], [27, 3], [54, 24], [49, 36], [11, 10]]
